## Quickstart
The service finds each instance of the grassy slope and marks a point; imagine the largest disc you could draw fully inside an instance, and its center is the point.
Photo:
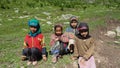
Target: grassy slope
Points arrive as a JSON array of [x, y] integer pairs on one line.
[[13, 31]]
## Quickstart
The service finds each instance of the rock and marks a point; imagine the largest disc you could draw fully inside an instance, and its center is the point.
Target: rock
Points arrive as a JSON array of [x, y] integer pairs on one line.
[[23, 17], [118, 31], [66, 23], [65, 16], [0, 14], [26, 13], [46, 13], [101, 41], [0, 19], [111, 34], [48, 22], [117, 42], [10, 19], [98, 61], [25, 29], [22, 67], [16, 11], [49, 17]]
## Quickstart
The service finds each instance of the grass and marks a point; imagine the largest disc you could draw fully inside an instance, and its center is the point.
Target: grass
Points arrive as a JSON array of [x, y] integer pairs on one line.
[[13, 31]]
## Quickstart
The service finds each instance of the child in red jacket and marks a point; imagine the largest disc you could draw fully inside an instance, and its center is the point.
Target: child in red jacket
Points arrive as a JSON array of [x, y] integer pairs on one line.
[[34, 46]]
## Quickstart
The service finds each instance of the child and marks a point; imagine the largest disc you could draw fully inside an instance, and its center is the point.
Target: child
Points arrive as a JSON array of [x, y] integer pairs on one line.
[[72, 29], [34, 45], [84, 47], [58, 42], [73, 25]]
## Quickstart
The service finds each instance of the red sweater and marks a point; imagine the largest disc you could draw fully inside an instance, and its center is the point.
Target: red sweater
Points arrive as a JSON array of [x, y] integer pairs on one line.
[[37, 41]]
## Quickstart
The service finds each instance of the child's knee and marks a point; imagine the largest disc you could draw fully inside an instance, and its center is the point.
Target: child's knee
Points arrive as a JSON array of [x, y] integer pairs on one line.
[[25, 51]]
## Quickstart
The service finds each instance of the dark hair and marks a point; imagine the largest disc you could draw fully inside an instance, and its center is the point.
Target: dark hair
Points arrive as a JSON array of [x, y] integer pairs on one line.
[[58, 25]]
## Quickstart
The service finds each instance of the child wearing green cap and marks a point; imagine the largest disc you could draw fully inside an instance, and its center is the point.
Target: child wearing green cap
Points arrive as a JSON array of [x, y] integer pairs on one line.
[[34, 45]]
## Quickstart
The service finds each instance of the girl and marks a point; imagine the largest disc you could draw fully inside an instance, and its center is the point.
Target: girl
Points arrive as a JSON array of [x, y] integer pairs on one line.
[[73, 25], [72, 29], [34, 46], [84, 47], [58, 42]]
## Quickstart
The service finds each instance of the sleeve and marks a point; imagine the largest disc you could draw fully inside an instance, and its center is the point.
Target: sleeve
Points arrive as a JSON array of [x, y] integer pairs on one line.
[[52, 40], [75, 54], [43, 41], [64, 38], [25, 45], [90, 51]]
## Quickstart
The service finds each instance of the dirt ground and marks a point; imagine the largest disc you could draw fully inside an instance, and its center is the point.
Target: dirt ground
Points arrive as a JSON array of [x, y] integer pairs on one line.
[[107, 52]]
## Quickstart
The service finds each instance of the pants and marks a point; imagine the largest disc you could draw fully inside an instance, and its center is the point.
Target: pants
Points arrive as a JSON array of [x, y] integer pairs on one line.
[[34, 54]]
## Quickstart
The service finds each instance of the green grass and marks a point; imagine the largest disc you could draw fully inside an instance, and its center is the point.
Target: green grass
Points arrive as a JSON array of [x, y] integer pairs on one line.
[[12, 32]]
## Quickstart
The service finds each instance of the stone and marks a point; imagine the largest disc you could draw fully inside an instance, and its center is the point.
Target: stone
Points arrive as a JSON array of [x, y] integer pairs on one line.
[[118, 30], [111, 34]]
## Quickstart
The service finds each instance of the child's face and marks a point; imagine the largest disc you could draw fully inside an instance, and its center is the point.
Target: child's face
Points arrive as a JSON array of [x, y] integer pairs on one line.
[[58, 31], [84, 34], [74, 24], [33, 29]]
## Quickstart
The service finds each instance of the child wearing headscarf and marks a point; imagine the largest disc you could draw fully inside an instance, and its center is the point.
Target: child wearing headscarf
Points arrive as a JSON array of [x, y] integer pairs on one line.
[[84, 47], [72, 29], [58, 42], [73, 25], [34, 45]]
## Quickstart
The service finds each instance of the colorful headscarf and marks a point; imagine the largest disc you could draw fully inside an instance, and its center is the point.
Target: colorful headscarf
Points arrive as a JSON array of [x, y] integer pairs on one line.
[[82, 27], [73, 18], [34, 23]]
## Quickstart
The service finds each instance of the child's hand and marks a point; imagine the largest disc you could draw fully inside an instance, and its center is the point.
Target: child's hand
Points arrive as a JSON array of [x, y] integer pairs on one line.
[[82, 61], [56, 39], [73, 58], [44, 57], [24, 47]]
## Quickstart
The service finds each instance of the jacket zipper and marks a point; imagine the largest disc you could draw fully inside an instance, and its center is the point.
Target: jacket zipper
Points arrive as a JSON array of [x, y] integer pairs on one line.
[[32, 42]]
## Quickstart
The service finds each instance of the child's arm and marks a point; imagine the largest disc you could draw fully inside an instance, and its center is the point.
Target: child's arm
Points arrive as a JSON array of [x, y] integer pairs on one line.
[[25, 45], [44, 51], [67, 36], [75, 53], [52, 40], [43, 42], [90, 51], [64, 37]]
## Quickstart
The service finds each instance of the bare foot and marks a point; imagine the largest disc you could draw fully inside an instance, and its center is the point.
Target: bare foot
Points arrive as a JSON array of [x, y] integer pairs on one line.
[[29, 62], [44, 58], [54, 59], [34, 62], [23, 58]]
